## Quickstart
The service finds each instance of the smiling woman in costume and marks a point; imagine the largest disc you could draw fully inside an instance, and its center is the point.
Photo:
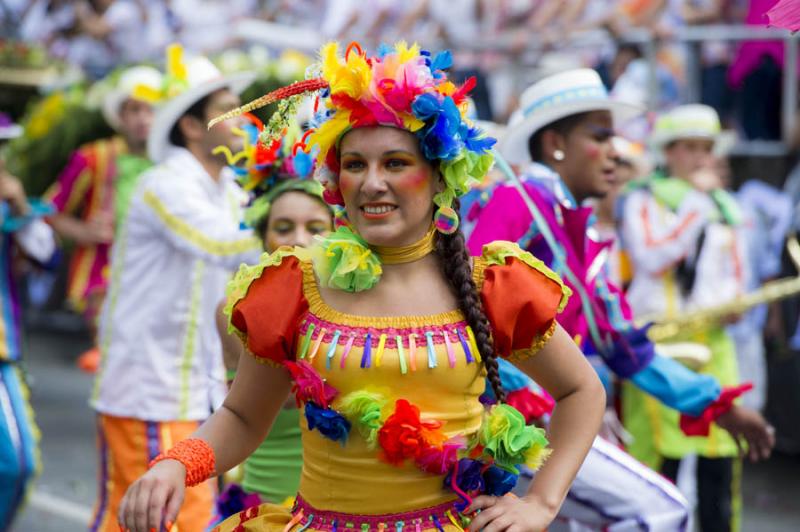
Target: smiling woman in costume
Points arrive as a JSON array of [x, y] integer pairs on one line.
[[385, 330]]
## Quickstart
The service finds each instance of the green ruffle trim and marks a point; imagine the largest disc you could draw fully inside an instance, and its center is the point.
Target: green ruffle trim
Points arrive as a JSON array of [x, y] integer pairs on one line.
[[506, 438], [344, 261], [461, 174], [496, 253], [240, 284], [364, 410]]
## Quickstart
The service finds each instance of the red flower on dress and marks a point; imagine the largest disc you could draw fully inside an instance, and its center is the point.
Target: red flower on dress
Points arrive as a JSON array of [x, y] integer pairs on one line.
[[309, 386], [405, 435]]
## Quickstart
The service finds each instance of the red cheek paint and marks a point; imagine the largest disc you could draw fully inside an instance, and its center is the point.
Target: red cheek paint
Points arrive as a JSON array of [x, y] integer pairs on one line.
[[592, 151], [416, 181], [346, 184]]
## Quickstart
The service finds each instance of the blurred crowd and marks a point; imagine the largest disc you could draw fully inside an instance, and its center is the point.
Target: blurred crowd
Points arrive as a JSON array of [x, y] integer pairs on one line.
[[492, 38], [84, 148]]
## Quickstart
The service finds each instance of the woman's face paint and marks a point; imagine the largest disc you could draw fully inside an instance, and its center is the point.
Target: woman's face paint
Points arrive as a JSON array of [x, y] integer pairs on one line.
[[387, 185]]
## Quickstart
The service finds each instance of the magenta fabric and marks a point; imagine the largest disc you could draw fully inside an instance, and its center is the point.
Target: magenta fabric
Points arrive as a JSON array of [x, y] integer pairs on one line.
[[506, 217], [750, 53]]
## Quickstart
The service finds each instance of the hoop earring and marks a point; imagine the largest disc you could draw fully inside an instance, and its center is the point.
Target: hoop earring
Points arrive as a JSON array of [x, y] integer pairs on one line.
[[559, 155]]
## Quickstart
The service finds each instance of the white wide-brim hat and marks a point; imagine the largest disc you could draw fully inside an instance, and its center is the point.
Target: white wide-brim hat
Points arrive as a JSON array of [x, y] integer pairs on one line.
[[203, 79], [556, 97], [125, 88], [690, 121]]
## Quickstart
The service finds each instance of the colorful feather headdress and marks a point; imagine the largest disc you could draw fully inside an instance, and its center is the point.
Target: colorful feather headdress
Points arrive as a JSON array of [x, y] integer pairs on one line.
[[268, 169], [402, 86]]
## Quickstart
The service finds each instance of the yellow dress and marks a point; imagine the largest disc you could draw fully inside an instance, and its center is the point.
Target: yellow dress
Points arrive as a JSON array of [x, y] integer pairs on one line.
[[430, 361]]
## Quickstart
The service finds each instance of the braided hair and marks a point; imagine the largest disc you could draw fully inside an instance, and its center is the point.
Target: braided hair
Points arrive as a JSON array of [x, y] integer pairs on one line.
[[454, 260]]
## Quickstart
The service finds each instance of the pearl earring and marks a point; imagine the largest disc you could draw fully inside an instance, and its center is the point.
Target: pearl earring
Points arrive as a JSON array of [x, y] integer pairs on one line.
[[558, 155]]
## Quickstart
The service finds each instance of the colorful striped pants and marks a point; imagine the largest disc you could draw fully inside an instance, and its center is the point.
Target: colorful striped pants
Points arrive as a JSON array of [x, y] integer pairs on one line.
[[18, 441], [125, 447]]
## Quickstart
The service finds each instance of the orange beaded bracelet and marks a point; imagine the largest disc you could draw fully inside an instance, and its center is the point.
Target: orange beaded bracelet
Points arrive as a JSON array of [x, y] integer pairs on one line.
[[197, 457]]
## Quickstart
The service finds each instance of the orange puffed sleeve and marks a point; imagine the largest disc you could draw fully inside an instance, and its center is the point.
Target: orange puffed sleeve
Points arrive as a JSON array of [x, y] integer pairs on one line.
[[268, 316], [521, 298]]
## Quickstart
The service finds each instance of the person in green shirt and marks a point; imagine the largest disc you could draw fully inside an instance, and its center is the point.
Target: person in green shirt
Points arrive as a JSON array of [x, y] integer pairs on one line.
[[287, 209]]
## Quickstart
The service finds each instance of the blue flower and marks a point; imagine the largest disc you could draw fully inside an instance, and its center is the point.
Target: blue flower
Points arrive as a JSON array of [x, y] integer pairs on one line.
[[439, 138], [469, 475], [497, 481], [328, 422]]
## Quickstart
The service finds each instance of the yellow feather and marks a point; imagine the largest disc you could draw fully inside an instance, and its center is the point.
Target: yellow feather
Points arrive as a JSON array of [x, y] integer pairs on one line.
[[406, 53], [175, 64], [329, 132], [412, 123], [351, 78], [329, 56], [446, 89]]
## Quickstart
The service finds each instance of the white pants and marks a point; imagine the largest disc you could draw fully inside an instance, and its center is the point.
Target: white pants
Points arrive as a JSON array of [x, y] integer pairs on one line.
[[614, 492]]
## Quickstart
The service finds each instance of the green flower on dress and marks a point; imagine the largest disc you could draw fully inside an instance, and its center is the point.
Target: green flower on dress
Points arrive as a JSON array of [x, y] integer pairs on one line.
[[506, 438]]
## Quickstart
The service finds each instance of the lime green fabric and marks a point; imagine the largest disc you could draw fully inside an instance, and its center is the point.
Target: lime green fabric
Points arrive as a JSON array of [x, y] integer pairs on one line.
[[655, 427], [129, 168], [273, 470], [671, 191]]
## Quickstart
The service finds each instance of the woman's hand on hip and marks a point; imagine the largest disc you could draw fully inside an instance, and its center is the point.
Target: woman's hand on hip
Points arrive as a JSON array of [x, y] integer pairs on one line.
[[510, 514]]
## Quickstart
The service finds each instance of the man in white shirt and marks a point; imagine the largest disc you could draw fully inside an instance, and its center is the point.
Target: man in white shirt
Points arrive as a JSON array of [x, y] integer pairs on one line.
[[161, 370]]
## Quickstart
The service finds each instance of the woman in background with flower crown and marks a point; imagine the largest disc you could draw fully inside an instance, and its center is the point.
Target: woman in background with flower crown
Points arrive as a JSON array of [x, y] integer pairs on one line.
[[386, 329], [287, 209]]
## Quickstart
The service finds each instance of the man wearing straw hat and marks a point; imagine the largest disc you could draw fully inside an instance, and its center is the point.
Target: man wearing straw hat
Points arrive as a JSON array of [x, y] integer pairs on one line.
[[161, 370], [92, 191], [562, 135], [684, 236]]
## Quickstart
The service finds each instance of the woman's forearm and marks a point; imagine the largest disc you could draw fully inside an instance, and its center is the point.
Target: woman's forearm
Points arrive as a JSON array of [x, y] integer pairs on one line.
[[244, 420], [232, 439], [573, 426]]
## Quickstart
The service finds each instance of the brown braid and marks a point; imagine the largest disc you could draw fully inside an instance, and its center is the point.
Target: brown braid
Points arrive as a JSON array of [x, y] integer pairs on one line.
[[454, 260]]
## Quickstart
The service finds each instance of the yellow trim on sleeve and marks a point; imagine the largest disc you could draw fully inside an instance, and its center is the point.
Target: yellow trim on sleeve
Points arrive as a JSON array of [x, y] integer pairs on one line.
[[264, 360], [538, 343], [189, 233]]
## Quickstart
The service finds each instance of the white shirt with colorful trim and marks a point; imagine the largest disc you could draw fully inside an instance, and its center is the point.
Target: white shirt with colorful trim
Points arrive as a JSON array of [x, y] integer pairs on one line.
[[161, 354], [657, 239]]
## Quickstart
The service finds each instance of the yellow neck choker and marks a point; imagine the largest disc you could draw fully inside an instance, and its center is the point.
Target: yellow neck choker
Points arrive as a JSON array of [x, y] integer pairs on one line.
[[410, 253]]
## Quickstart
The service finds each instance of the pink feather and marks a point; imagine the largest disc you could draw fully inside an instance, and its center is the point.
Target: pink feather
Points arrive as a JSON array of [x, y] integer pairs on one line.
[[309, 385], [785, 14]]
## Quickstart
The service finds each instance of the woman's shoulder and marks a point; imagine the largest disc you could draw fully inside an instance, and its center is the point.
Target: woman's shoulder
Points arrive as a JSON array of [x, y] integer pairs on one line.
[[281, 270], [521, 297], [513, 262]]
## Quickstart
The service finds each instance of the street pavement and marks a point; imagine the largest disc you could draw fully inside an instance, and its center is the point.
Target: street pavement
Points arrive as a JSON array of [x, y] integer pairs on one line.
[[64, 493]]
